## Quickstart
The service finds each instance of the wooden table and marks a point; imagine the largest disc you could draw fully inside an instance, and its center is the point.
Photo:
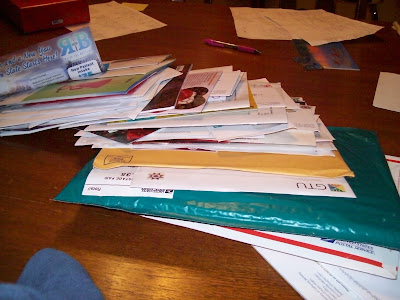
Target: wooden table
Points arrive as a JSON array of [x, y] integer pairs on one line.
[[130, 257]]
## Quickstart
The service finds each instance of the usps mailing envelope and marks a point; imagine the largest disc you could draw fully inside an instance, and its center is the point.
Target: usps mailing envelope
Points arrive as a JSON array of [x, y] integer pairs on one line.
[[357, 256]]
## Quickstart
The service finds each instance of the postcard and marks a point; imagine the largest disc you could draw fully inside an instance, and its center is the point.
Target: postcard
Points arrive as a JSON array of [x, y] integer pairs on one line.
[[333, 56], [70, 56], [328, 56], [352, 255]]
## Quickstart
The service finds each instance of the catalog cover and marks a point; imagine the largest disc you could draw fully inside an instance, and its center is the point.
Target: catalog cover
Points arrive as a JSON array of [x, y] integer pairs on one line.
[[70, 56]]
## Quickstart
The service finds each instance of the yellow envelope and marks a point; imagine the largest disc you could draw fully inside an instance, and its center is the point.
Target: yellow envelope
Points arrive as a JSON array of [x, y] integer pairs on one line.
[[137, 6], [299, 165]]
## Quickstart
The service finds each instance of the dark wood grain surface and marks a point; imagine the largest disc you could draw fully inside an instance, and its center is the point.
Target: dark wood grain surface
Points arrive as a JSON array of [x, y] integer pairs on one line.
[[130, 257]]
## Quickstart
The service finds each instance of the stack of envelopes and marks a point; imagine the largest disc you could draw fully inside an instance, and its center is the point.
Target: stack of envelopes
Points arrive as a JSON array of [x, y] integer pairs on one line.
[[107, 96], [213, 147]]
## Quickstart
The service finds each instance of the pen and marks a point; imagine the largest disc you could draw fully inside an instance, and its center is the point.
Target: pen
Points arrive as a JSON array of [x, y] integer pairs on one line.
[[231, 46]]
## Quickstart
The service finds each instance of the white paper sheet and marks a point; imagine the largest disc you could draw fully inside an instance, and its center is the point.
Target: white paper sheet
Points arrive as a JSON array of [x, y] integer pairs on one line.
[[111, 19], [387, 94], [317, 27]]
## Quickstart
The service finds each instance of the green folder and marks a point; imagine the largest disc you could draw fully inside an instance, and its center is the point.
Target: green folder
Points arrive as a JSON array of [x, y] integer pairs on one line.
[[373, 217]]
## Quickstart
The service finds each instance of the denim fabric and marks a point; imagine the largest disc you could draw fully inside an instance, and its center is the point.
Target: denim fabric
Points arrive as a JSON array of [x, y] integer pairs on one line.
[[52, 274]]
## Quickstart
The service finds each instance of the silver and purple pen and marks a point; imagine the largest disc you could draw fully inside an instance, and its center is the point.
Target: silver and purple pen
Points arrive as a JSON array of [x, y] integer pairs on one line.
[[231, 46]]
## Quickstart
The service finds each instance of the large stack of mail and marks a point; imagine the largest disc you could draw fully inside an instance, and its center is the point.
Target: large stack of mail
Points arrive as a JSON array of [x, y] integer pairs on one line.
[[202, 130]]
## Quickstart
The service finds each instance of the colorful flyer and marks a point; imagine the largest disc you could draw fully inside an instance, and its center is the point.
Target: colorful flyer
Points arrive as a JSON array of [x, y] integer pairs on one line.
[[70, 56]]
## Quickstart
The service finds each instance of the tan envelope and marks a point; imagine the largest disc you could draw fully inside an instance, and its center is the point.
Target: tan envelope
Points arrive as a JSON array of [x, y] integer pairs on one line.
[[299, 165]]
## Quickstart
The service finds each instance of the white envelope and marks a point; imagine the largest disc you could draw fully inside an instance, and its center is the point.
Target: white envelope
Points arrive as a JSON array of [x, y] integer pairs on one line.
[[286, 137], [165, 74], [178, 133], [303, 119], [357, 256], [265, 95], [309, 278], [239, 99], [322, 149], [219, 180], [250, 116], [290, 104], [224, 133], [226, 84], [117, 183]]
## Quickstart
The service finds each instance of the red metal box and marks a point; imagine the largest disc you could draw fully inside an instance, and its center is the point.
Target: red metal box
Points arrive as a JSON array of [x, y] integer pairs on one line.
[[35, 15]]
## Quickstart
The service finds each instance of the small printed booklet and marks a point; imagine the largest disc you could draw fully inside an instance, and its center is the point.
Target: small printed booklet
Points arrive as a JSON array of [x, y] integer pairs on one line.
[[70, 56]]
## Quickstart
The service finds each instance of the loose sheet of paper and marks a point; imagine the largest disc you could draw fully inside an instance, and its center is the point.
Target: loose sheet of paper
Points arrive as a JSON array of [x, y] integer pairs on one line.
[[111, 19], [317, 27], [387, 94]]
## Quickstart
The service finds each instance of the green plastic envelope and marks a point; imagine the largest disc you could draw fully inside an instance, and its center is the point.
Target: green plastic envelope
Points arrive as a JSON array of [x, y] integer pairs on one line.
[[373, 217]]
